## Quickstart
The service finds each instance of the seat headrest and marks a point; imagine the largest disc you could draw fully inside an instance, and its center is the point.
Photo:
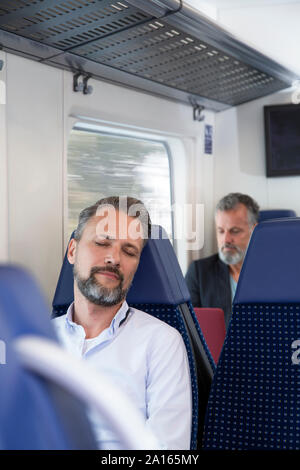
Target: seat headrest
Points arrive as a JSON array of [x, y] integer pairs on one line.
[[64, 293], [276, 214], [158, 279], [23, 309], [271, 269]]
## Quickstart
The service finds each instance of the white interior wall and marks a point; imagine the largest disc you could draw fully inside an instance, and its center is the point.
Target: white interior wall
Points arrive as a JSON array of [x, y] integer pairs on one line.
[[206, 7], [240, 144], [34, 154], [39, 113], [37, 119], [238, 163], [240, 157], [3, 165], [271, 28], [134, 110]]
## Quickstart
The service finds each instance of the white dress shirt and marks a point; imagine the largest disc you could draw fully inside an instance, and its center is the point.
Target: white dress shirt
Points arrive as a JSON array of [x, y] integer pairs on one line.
[[145, 358]]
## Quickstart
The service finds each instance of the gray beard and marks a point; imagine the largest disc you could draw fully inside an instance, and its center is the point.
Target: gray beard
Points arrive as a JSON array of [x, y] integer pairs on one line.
[[232, 258], [98, 294]]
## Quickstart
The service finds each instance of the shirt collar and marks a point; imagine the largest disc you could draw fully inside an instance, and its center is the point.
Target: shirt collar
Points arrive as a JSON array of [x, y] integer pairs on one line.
[[116, 322]]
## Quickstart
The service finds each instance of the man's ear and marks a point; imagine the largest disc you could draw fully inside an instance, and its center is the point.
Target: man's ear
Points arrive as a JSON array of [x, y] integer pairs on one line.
[[253, 227], [71, 251]]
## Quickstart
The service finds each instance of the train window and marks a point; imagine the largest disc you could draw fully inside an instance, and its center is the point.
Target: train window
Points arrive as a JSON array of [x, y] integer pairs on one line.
[[103, 164]]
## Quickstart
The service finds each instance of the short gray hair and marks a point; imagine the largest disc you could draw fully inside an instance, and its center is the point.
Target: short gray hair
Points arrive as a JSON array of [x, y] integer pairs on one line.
[[230, 202], [120, 203]]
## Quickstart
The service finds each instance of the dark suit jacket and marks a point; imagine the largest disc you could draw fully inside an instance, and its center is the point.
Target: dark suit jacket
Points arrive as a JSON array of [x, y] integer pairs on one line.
[[209, 284]]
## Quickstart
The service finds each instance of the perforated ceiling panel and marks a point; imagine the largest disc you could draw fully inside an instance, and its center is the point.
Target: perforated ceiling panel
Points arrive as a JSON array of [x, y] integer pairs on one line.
[[67, 23], [169, 56], [159, 46]]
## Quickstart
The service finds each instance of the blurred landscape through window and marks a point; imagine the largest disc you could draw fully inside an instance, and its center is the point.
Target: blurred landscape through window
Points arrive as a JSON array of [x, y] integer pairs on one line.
[[101, 165]]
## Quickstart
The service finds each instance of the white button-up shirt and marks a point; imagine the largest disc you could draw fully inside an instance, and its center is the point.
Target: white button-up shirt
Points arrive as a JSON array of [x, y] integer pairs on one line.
[[147, 360]]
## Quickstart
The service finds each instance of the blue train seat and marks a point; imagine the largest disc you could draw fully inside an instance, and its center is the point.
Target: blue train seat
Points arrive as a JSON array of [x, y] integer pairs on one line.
[[254, 400], [35, 413], [275, 214], [159, 289], [64, 292]]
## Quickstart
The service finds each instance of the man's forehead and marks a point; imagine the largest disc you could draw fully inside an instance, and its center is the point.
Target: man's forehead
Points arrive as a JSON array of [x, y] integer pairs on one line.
[[114, 224], [237, 215]]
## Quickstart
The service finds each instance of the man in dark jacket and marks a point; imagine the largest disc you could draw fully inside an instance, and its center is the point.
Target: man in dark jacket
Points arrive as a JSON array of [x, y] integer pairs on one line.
[[212, 281]]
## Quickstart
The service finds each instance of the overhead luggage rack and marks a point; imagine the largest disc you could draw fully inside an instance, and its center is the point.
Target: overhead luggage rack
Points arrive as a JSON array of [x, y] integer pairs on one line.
[[65, 24], [158, 46]]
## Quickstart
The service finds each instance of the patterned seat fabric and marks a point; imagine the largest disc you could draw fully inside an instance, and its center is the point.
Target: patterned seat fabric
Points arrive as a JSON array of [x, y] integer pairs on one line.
[[254, 400]]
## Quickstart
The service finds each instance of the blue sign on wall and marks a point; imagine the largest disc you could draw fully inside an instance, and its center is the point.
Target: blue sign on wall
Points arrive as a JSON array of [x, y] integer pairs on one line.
[[208, 133]]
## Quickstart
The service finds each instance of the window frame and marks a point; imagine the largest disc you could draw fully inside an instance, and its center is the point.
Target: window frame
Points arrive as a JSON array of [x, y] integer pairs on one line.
[[98, 128], [4, 200]]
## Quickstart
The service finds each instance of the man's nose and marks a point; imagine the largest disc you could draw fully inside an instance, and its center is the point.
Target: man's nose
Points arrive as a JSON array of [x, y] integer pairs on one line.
[[113, 257], [228, 237]]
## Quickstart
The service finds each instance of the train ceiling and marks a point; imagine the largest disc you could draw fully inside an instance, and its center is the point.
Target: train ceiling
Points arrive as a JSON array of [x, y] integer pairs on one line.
[[159, 46]]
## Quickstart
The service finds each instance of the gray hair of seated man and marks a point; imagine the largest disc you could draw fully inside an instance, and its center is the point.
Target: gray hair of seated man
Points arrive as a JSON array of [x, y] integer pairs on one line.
[[231, 200]]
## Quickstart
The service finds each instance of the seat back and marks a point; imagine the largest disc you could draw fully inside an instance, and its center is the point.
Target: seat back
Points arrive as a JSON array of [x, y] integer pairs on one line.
[[159, 289], [34, 413], [212, 324], [254, 400], [275, 214], [64, 293]]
